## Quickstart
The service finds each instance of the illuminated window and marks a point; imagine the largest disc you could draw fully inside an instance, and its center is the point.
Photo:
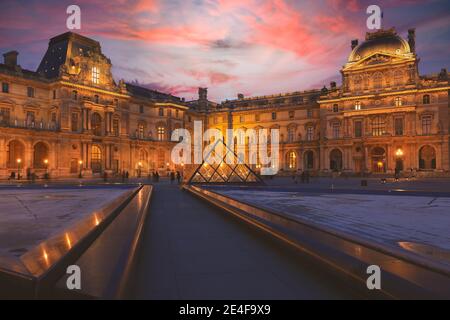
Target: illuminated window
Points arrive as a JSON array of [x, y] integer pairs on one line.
[[398, 101], [161, 133], [95, 75], [292, 160], [358, 105], [378, 126], [309, 133], [96, 159]]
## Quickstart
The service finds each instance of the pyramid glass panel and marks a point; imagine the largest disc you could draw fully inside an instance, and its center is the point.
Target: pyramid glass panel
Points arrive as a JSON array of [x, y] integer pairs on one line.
[[223, 172]]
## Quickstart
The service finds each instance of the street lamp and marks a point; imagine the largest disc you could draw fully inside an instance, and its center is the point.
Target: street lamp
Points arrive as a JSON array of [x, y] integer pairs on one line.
[[19, 161], [46, 168], [81, 168], [399, 153]]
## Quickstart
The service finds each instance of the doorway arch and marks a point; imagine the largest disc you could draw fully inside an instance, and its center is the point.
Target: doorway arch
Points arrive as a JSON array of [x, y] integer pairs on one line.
[[336, 160], [378, 158], [427, 158]]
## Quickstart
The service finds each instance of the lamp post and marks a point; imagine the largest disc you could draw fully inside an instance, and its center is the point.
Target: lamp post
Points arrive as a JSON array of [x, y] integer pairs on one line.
[[46, 168], [139, 169], [81, 168], [19, 161]]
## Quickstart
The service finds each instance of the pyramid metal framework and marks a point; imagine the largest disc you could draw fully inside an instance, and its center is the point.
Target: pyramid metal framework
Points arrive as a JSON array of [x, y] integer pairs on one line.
[[222, 172]]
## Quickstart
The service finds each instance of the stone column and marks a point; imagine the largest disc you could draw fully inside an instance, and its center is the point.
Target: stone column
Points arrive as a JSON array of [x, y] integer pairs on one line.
[[2, 154]]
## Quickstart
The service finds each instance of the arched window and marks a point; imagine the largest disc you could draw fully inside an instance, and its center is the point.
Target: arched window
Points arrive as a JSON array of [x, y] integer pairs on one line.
[[309, 160], [96, 124], [141, 130], [40, 155], [377, 80], [427, 158], [336, 160], [358, 105], [426, 99], [15, 153], [292, 160]]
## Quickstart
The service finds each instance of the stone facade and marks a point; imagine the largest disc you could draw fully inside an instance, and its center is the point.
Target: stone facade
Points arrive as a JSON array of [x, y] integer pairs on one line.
[[71, 116]]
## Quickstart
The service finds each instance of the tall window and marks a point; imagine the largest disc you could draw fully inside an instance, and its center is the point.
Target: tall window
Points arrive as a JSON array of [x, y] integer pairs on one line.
[[30, 92], [426, 99], [161, 131], [96, 99], [96, 124], [74, 122], [95, 75], [309, 113], [54, 94], [5, 87], [274, 116], [74, 95], [398, 124], [141, 109], [378, 126], [4, 116], [241, 119], [115, 127], [257, 117], [141, 130], [335, 108], [358, 128], [292, 160], [177, 113], [96, 159], [30, 119], [161, 112], [336, 127], [426, 124], [398, 101], [309, 133], [291, 134]]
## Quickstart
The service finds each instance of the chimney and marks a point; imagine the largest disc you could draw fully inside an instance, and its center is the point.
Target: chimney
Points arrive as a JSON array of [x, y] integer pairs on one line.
[[240, 96], [412, 39], [354, 43], [11, 58], [203, 94], [333, 85]]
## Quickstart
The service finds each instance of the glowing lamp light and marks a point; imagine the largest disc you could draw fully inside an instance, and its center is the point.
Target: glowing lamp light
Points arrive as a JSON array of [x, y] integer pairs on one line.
[[399, 152], [380, 164], [46, 161], [140, 164], [80, 162], [19, 160]]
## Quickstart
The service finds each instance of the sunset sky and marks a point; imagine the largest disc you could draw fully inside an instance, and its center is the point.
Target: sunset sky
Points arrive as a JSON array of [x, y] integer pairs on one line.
[[253, 47]]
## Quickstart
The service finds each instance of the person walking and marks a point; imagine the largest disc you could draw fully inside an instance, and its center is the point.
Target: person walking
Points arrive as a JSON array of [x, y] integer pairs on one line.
[[157, 176], [172, 177], [178, 177]]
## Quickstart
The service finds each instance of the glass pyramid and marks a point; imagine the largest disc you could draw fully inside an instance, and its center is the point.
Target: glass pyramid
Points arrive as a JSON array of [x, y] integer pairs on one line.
[[223, 172]]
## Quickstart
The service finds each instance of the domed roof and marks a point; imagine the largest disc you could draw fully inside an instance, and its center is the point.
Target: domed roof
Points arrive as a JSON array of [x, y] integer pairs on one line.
[[383, 41]]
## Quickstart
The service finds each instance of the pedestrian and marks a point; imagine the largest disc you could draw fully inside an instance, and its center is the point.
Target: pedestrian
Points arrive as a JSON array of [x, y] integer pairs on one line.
[[303, 176], [397, 174], [105, 176], [127, 175], [123, 176], [172, 177], [178, 177], [157, 176]]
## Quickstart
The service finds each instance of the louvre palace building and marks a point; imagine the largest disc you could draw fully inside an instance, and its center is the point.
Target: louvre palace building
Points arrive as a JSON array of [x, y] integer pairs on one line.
[[70, 117]]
